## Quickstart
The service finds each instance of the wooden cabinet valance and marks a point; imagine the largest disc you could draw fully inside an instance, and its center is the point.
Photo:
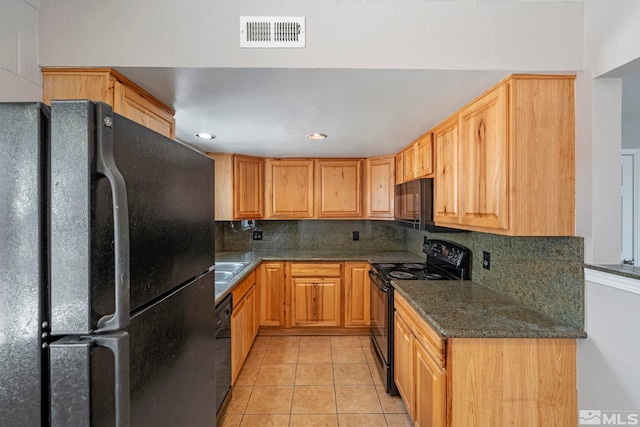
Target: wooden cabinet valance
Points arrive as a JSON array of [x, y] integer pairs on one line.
[[109, 86]]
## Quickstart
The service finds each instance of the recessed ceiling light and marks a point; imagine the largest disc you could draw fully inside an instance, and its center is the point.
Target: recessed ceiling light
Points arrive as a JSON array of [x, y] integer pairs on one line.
[[316, 136], [203, 135]]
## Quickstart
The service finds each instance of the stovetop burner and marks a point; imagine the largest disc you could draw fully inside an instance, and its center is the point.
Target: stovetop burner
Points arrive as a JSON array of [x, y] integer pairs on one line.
[[445, 261], [414, 266], [386, 265], [404, 275]]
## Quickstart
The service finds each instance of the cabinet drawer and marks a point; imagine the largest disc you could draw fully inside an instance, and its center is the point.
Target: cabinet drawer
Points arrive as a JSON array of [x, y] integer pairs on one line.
[[425, 334], [432, 342], [303, 269], [242, 288]]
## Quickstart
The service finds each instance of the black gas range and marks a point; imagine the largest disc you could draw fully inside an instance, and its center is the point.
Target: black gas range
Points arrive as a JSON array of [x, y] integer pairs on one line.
[[444, 261]]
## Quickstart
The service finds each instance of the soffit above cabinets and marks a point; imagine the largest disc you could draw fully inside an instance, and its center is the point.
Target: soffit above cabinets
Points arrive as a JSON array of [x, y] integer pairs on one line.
[[269, 111]]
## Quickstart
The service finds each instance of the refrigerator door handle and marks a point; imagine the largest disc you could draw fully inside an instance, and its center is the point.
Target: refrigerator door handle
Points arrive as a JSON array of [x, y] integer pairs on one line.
[[106, 166], [118, 343], [70, 361]]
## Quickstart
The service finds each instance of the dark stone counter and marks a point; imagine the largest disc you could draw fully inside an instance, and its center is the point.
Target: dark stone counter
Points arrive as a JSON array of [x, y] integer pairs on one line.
[[253, 258], [467, 309]]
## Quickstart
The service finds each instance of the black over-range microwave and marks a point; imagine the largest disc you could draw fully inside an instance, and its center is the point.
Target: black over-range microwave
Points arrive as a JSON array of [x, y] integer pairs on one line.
[[414, 206]]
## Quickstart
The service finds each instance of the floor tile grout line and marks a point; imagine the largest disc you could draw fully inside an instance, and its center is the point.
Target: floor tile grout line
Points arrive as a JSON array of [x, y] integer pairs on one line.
[[332, 363]]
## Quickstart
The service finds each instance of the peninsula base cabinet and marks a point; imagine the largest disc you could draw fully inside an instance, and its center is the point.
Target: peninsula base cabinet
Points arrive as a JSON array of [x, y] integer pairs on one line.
[[482, 381]]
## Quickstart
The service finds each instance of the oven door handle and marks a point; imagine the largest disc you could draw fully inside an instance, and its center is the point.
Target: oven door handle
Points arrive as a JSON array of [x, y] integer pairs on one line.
[[378, 282]]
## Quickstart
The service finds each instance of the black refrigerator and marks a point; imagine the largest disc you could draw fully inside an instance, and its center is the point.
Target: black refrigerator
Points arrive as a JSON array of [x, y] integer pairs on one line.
[[107, 301]]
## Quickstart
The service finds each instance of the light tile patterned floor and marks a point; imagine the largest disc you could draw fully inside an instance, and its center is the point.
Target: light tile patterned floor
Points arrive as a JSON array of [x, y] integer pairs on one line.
[[295, 381]]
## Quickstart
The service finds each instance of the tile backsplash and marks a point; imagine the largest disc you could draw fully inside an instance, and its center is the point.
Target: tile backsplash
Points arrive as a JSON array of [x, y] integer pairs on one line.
[[321, 235], [545, 273]]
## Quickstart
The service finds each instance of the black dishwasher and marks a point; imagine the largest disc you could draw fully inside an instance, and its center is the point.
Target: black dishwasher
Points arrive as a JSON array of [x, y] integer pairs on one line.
[[223, 355]]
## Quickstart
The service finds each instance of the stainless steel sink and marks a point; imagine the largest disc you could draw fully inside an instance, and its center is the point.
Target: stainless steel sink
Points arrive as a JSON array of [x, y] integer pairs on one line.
[[225, 271], [223, 276], [230, 266]]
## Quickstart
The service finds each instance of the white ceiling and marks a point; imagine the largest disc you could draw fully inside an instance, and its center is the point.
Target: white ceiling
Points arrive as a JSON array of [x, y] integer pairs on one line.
[[268, 111]]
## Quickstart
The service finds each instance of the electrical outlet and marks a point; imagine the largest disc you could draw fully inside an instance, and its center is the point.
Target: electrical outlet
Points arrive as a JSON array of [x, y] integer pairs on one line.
[[257, 234], [486, 260], [356, 235]]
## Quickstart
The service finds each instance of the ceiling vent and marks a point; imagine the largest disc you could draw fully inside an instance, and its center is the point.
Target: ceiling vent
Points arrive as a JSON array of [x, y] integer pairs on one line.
[[272, 31]]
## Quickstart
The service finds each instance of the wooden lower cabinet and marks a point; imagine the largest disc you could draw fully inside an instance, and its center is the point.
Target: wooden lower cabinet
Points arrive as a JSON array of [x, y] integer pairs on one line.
[[463, 382], [357, 294], [403, 362], [315, 290], [244, 325], [315, 301], [271, 294], [430, 388]]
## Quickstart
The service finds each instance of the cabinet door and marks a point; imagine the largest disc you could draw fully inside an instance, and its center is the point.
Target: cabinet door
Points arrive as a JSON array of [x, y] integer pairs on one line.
[[248, 187], [223, 190], [380, 181], [289, 188], [409, 163], [446, 208], [484, 160], [430, 389], [271, 294], [249, 331], [315, 301], [339, 188], [131, 104], [403, 361], [77, 83], [357, 294], [238, 321], [400, 168], [424, 156]]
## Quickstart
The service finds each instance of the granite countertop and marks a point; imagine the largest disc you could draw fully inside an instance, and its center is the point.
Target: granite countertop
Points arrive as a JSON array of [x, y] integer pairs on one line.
[[623, 270], [467, 309], [253, 259]]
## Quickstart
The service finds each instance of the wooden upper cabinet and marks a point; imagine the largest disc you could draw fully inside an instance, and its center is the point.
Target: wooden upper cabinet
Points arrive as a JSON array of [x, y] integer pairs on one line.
[[248, 180], [379, 187], [289, 188], [338, 188], [447, 151], [223, 189], [512, 170], [409, 163], [238, 187], [424, 156], [109, 86], [400, 168], [483, 160]]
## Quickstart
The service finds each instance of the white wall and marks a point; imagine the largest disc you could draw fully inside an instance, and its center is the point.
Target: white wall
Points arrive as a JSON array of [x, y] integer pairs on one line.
[[608, 369], [20, 77], [630, 132], [608, 364], [529, 36]]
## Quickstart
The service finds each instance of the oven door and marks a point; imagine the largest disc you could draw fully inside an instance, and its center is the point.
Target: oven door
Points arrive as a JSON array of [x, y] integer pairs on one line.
[[380, 314], [382, 329]]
